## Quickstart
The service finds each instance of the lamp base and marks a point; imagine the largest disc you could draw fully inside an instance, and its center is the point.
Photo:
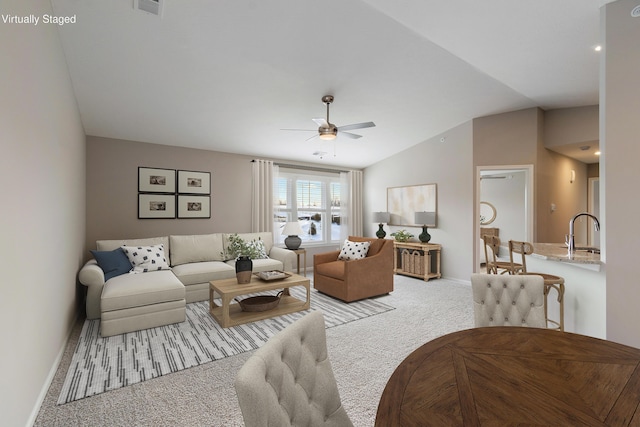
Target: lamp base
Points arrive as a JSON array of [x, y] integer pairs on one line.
[[424, 236], [292, 242], [380, 233]]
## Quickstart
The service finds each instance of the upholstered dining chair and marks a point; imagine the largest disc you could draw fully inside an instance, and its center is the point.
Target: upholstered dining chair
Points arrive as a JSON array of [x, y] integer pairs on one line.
[[491, 249], [508, 300], [289, 380]]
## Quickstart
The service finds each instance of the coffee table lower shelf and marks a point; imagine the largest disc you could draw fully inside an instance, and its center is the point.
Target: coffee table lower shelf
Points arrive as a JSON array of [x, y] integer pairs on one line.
[[229, 313]]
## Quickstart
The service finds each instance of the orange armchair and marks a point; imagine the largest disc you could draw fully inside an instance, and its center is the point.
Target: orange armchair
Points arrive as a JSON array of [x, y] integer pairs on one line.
[[355, 279]]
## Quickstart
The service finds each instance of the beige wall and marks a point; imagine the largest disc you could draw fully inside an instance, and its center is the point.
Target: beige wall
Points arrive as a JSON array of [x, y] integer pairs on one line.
[[569, 126], [448, 164], [42, 227], [620, 175], [112, 189], [518, 138]]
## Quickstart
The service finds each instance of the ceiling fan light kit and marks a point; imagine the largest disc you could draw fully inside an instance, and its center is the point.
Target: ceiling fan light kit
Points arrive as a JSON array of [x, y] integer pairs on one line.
[[327, 131]]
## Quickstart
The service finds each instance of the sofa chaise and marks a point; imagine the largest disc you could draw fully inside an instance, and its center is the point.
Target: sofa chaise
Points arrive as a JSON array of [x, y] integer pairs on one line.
[[134, 301]]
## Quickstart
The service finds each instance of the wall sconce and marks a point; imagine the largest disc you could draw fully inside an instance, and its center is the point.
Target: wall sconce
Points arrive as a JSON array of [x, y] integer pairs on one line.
[[572, 176], [292, 230], [381, 218], [426, 219]]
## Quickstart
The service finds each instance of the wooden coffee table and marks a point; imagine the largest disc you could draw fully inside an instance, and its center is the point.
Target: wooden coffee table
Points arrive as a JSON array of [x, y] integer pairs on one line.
[[229, 314]]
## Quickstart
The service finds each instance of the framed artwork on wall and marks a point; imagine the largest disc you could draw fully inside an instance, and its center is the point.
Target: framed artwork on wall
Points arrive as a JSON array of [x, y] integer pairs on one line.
[[193, 182], [156, 206], [404, 202], [194, 206], [155, 180]]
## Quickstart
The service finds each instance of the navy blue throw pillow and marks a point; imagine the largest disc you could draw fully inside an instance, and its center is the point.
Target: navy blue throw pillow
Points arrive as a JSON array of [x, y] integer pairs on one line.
[[113, 263]]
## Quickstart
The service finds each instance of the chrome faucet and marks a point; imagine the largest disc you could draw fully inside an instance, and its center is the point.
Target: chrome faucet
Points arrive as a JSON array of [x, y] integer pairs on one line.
[[570, 238]]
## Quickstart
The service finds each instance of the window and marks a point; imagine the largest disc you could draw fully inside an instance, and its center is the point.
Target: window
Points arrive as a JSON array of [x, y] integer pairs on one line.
[[312, 198]]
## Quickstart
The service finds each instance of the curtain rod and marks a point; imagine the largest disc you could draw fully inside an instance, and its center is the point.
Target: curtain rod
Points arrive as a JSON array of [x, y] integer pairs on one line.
[[309, 168]]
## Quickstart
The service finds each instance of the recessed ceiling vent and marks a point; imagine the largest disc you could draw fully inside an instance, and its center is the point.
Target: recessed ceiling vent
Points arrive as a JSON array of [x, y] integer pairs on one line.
[[153, 7]]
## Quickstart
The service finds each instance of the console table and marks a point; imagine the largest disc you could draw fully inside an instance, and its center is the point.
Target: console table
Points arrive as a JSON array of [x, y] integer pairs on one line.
[[417, 259]]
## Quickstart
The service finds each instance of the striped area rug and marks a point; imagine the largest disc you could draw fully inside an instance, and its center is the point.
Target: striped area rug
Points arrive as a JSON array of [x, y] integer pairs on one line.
[[102, 364]]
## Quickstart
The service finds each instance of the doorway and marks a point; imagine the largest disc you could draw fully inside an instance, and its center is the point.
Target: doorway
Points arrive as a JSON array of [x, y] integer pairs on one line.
[[508, 189]]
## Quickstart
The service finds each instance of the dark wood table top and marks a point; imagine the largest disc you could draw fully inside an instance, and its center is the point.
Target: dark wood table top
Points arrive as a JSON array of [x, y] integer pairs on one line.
[[505, 376]]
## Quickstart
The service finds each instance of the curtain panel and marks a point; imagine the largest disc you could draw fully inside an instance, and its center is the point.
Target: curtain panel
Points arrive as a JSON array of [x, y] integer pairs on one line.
[[351, 204], [262, 195]]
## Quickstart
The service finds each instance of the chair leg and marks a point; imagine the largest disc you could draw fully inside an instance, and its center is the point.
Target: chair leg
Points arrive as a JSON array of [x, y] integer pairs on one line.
[[559, 287]]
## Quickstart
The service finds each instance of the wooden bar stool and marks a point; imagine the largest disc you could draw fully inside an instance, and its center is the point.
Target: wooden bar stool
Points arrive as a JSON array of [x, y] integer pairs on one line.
[[550, 280], [491, 248]]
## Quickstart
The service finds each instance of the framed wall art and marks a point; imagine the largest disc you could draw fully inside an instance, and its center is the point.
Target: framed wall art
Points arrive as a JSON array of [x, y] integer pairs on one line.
[[156, 206], [192, 182], [404, 202], [190, 206], [154, 180]]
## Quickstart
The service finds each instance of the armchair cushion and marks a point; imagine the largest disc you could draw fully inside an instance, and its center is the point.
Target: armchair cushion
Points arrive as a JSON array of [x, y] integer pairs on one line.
[[333, 269], [353, 250]]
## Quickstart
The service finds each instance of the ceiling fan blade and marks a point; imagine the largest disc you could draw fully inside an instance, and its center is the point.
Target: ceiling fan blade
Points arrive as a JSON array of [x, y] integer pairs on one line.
[[311, 137], [357, 126], [321, 122], [349, 135], [303, 130]]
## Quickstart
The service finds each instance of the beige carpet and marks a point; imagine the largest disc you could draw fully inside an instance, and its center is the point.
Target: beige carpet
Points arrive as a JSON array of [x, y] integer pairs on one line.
[[364, 354]]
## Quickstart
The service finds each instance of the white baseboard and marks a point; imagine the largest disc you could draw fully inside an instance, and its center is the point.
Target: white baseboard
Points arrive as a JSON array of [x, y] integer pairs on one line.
[[52, 372]]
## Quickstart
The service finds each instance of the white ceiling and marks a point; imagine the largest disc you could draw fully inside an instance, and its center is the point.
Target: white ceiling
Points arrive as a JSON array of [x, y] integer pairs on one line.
[[229, 75]]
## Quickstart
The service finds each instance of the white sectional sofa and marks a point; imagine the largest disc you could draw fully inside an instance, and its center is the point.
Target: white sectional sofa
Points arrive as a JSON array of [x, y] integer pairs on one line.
[[134, 301]]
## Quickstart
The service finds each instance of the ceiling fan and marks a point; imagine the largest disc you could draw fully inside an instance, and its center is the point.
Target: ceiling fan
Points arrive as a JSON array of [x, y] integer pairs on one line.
[[328, 131]]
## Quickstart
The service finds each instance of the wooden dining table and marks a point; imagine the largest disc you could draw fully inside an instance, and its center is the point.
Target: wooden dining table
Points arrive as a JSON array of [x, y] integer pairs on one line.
[[505, 376]]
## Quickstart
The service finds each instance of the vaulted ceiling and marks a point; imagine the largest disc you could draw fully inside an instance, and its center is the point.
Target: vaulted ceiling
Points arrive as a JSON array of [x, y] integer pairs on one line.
[[230, 75]]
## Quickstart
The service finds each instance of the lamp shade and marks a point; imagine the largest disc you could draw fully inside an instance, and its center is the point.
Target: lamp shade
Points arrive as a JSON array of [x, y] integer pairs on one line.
[[425, 218], [381, 217], [292, 229]]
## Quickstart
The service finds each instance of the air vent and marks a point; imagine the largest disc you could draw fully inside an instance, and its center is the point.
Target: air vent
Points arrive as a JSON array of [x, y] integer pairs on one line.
[[153, 7], [635, 12]]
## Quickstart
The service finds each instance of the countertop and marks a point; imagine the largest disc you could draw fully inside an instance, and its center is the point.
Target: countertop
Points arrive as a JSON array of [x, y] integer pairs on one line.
[[559, 252]]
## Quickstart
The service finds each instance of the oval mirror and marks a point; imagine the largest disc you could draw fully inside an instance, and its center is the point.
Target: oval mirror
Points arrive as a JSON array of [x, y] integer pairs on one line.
[[487, 213]]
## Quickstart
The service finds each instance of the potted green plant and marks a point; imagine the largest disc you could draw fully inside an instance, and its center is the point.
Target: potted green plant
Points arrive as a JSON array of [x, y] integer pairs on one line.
[[402, 235], [243, 252]]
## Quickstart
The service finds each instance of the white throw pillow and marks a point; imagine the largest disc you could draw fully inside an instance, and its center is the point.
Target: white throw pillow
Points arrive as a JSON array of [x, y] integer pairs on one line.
[[146, 258], [353, 250]]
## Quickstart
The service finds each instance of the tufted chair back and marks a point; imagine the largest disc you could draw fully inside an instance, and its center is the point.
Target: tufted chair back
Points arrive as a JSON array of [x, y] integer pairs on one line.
[[289, 380], [508, 300]]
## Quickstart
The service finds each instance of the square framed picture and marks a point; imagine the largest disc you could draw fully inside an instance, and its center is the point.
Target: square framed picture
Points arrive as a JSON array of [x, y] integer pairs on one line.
[[153, 180], [194, 206], [192, 182], [152, 206]]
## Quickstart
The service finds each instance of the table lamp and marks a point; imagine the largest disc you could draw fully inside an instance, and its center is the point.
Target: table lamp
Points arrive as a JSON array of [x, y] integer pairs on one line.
[[292, 230], [381, 218], [426, 219]]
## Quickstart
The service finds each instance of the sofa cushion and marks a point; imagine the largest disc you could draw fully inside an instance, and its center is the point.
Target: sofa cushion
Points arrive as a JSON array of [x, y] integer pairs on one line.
[[353, 250], [136, 290], [109, 245], [333, 269], [196, 248], [203, 272], [146, 258], [113, 263]]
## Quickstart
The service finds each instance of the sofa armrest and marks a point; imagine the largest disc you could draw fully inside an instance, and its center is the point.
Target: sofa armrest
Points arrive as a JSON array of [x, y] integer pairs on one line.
[[325, 257], [285, 256], [92, 276]]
